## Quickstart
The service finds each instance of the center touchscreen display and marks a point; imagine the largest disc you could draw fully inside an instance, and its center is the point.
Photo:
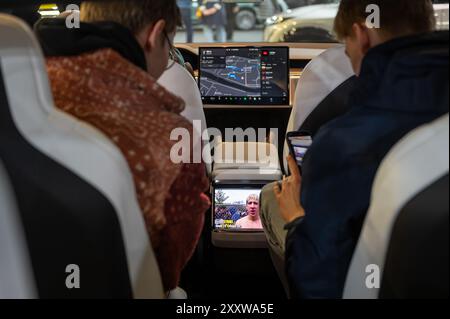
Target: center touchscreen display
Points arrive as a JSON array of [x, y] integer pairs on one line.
[[244, 75]]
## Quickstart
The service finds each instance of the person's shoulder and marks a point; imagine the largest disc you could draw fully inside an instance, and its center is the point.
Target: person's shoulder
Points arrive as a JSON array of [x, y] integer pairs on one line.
[[336, 138], [343, 126], [165, 105], [330, 134]]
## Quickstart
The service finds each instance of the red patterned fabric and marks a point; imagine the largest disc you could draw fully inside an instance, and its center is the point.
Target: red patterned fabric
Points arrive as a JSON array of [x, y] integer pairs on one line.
[[138, 115]]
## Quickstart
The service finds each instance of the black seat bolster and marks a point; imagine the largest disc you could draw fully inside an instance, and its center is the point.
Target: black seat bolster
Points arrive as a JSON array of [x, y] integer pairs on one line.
[[66, 220], [417, 259]]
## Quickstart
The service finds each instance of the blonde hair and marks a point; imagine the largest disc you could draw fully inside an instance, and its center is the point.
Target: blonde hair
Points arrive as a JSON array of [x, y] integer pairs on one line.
[[132, 14], [254, 197]]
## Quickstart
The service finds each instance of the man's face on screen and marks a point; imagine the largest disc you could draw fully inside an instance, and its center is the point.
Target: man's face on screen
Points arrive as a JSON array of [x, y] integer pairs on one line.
[[253, 208]]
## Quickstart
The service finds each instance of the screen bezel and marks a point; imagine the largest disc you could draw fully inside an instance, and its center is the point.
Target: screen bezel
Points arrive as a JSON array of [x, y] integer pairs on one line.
[[291, 147], [233, 186], [235, 100]]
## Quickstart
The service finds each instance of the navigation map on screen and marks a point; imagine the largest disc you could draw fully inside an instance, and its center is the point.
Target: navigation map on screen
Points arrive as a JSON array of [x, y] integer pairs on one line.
[[244, 75]]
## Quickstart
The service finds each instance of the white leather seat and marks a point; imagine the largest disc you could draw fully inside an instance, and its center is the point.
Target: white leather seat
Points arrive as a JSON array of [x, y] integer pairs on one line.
[[75, 145], [415, 163], [319, 78], [16, 278], [180, 82]]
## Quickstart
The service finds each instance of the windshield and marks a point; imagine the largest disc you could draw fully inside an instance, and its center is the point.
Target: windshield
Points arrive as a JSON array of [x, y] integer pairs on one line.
[[292, 21]]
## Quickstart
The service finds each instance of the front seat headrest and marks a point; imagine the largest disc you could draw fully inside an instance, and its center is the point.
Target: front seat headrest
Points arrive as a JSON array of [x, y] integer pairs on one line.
[[314, 103]]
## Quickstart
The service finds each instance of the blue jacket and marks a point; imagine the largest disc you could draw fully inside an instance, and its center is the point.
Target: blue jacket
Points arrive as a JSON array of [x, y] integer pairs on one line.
[[403, 84], [184, 4]]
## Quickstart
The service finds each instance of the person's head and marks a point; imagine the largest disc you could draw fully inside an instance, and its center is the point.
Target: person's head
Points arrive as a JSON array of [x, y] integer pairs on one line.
[[397, 18], [252, 206], [153, 22]]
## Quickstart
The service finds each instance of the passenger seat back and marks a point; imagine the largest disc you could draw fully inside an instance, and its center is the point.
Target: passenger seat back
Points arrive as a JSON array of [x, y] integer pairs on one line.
[[416, 263], [404, 241], [74, 188], [16, 279]]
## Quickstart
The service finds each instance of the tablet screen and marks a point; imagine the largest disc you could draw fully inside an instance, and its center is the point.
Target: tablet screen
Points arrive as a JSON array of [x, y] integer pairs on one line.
[[237, 209], [244, 75]]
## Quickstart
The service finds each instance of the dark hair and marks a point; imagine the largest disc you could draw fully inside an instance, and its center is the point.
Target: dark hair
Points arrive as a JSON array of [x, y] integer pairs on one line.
[[133, 14], [398, 17]]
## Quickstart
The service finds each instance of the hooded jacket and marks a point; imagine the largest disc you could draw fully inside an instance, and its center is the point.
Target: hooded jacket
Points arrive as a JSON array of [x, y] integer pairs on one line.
[[403, 84], [98, 74]]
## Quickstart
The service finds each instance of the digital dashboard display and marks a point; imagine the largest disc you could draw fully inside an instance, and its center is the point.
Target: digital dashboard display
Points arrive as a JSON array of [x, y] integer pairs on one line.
[[244, 75]]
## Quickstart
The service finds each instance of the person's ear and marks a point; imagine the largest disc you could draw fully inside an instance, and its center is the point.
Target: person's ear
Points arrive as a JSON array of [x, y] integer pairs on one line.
[[362, 37], [154, 35]]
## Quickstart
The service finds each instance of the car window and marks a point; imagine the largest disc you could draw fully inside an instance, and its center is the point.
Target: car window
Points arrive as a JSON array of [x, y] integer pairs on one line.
[[207, 21], [274, 21]]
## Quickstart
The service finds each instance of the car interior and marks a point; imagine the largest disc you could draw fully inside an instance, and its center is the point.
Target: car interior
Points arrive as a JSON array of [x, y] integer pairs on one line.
[[67, 198]]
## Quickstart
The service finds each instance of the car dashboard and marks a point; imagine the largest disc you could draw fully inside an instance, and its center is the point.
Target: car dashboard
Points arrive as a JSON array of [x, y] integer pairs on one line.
[[300, 54]]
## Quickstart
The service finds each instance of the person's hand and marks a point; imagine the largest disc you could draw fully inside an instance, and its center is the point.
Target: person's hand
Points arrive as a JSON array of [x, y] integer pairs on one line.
[[288, 197], [210, 12]]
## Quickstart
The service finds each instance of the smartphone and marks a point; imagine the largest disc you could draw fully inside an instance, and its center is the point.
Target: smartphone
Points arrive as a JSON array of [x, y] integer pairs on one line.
[[299, 143]]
